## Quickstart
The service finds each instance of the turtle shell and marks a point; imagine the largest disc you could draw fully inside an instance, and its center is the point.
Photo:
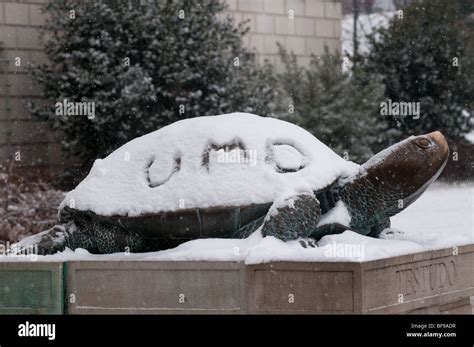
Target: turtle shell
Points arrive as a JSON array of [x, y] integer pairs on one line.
[[172, 228], [206, 172]]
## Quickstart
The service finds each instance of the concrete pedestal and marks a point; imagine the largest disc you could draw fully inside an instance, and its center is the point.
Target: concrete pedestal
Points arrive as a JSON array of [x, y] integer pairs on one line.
[[31, 288], [440, 281], [155, 287], [430, 282]]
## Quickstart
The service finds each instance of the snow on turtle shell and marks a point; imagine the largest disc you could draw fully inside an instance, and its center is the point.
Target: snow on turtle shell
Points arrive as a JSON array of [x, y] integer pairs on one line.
[[235, 159]]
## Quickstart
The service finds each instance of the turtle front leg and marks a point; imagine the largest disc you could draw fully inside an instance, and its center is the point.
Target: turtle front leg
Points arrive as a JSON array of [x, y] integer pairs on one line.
[[377, 229], [337, 228], [329, 229], [292, 218]]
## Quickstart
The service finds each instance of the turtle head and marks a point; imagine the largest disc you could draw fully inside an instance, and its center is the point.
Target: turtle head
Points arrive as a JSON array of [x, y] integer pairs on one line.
[[407, 168], [394, 178]]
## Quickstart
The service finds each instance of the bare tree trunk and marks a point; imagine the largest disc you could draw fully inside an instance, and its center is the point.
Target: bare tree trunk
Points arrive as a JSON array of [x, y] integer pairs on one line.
[[355, 40]]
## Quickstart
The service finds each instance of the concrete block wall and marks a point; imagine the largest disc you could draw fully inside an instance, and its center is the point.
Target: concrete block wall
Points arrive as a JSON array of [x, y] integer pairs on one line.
[[20, 46], [302, 26]]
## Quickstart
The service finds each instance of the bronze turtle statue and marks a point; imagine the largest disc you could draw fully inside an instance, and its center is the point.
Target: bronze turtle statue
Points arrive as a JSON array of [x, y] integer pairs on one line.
[[227, 176]]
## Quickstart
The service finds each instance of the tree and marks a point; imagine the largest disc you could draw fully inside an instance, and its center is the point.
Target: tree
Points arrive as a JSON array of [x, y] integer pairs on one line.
[[339, 109], [424, 56], [144, 64]]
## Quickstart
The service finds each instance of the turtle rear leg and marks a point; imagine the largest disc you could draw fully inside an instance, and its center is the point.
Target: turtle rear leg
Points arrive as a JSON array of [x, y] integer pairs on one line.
[[102, 238], [293, 218], [113, 239], [56, 240], [97, 238]]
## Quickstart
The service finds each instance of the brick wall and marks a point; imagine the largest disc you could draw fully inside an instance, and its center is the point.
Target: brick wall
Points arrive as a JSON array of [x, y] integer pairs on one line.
[[315, 23]]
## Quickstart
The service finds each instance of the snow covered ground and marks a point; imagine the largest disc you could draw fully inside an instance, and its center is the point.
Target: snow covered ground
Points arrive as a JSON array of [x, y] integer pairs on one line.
[[470, 136], [442, 217]]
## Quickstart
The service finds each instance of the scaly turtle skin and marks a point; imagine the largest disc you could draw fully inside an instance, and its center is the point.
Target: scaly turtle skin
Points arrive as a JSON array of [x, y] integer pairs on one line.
[[372, 193]]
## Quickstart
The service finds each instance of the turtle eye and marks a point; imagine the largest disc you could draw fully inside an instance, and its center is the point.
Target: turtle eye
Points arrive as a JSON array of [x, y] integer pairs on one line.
[[423, 142]]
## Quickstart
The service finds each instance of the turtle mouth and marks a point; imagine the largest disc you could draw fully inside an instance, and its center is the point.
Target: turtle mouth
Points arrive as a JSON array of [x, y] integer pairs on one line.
[[443, 152], [421, 190], [438, 138]]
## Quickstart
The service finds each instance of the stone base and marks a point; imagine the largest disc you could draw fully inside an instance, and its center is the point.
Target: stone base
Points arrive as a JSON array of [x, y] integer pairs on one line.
[[155, 287], [432, 282], [428, 282], [463, 306], [31, 288]]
